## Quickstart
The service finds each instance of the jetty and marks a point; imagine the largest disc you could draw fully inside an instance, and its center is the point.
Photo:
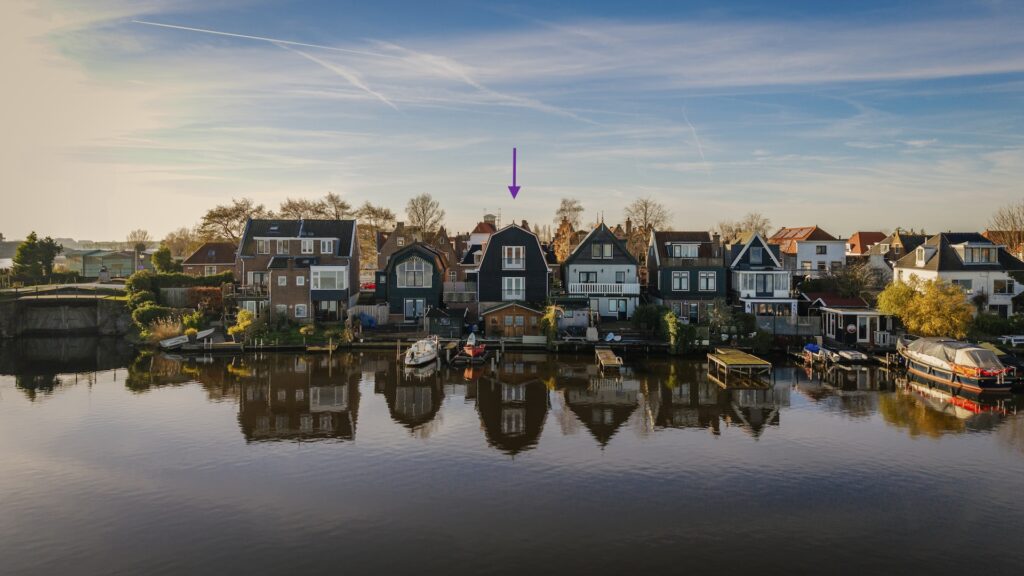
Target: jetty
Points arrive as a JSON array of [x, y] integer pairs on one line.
[[732, 368], [606, 358]]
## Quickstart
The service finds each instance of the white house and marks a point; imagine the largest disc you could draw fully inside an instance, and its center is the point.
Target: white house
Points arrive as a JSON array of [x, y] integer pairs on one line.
[[603, 271], [810, 250], [968, 260]]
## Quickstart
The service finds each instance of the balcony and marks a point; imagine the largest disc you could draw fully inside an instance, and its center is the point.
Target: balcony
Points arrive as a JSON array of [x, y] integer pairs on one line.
[[610, 289], [692, 262], [248, 292], [513, 295], [459, 292]]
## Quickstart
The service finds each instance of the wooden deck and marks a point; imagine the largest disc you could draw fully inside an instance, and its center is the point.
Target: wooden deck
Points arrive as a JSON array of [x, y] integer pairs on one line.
[[732, 368], [606, 358]]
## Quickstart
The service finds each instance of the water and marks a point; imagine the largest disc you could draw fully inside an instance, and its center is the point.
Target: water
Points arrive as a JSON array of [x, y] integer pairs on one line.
[[285, 463]]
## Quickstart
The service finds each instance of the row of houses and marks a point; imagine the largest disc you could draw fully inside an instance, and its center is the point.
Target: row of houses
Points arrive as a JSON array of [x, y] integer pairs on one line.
[[501, 278]]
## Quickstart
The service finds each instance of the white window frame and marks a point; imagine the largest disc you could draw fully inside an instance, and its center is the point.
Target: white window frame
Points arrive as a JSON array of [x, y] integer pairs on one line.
[[307, 246], [327, 246], [517, 291], [685, 250], [262, 246], [707, 281], [340, 273], [283, 242], [282, 280], [300, 280], [513, 257], [759, 251], [209, 270], [680, 281], [301, 311], [419, 268]]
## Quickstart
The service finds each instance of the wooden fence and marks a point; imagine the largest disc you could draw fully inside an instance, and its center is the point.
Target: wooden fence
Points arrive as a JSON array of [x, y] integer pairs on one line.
[[174, 297], [378, 312]]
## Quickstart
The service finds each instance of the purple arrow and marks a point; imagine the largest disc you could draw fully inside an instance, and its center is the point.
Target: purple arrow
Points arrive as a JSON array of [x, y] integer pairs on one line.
[[513, 188]]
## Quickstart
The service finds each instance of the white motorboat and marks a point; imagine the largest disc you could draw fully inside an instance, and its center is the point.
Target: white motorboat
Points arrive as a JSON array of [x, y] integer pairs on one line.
[[422, 352]]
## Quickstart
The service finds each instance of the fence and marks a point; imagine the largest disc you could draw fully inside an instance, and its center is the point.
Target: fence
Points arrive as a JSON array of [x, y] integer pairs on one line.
[[174, 297], [790, 325], [379, 312]]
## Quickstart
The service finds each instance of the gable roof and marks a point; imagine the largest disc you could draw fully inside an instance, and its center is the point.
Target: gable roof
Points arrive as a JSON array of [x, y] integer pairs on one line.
[[213, 253], [484, 228], [500, 307], [421, 248], [752, 236], [787, 238], [860, 242], [833, 300], [506, 229], [601, 231], [945, 258]]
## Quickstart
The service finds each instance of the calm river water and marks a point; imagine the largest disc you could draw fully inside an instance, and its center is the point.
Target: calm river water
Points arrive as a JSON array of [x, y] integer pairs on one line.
[[285, 464]]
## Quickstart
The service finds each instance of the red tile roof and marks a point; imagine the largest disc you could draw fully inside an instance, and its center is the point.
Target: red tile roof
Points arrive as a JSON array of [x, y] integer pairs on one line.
[[484, 228], [787, 238], [860, 242]]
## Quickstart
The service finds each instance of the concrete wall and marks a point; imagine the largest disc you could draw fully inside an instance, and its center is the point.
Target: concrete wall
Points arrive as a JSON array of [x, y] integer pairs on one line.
[[95, 317]]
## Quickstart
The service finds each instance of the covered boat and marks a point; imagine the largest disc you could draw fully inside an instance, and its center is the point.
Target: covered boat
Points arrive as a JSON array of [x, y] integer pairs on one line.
[[959, 365], [472, 349], [422, 352]]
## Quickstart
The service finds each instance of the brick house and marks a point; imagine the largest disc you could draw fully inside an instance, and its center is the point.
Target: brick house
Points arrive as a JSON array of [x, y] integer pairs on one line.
[[304, 269], [210, 259]]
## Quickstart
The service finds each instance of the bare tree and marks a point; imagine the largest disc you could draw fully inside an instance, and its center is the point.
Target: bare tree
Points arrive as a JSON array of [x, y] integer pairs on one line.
[[137, 239], [730, 230], [569, 209], [227, 222], [182, 242], [333, 207], [376, 217], [1007, 227], [425, 213], [648, 213], [298, 209]]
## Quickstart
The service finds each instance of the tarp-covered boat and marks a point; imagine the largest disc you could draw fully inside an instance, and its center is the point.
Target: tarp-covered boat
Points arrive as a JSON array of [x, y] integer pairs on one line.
[[959, 365]]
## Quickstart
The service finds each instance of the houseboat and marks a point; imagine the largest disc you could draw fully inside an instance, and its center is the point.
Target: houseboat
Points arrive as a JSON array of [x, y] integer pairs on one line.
[[955, 364]]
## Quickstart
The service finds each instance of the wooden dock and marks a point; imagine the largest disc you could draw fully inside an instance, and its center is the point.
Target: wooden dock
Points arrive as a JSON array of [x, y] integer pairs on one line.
[[606, 358], [732, 368]]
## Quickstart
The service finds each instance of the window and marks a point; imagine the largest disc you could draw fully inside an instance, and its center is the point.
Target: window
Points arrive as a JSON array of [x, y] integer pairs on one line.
[[1003, 287], [262, 246], [414, 273], [210, 271], [513, 288], [533, 322], [620, 277], [508, 320], [822, 266], [301, 311], [805, 265], [329, 279], [836, 264], [965, 284], [821, 249], [920, 256], [513, 392], [282, 280], [613, 305], [680, 281], [982, 255], [281, 309], [588, 277], [282, 246], [684, 250], [307, 246], [327, 246], [601, 251], [707, 282], [756, 255], [300, 280], [400, 240], [520, 321], [452, 275], [512, 258]]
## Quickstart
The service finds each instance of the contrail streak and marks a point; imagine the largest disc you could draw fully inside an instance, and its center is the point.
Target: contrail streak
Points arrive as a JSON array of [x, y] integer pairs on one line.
[[700, 147], [352, 77], [271, 40]]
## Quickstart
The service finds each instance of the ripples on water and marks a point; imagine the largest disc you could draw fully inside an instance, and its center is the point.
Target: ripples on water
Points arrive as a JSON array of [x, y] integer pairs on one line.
[[284, 463]]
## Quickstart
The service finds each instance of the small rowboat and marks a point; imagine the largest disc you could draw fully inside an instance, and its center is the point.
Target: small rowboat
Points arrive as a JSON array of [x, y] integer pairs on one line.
[[422, 352]]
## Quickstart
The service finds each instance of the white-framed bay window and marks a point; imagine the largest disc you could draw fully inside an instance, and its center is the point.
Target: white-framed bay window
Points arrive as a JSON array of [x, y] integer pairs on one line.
[[328, 277]]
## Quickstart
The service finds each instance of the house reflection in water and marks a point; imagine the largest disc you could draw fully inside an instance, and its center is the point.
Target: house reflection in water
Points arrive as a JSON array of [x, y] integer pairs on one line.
[[513, 404], [690, 400], [852, 391], [413, 395], [604, 403], [286, 397]]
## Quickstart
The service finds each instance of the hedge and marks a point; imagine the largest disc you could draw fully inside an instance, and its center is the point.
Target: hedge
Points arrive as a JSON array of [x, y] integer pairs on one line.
[[145, 315], [154, 281], [139, 298]]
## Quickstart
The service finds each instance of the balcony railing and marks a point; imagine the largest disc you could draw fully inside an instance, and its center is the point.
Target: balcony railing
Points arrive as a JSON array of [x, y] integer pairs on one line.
[[615, 289], [460, 287], [459, 292], [249, 291], [691, 262], [510, 295]]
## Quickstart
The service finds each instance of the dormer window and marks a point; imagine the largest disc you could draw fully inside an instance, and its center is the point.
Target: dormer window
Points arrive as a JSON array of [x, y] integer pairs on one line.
[[282, 246], [883, 248], [980, 255], [600, 251], [683, 250], [262, 246], [400, 241], [920, 256], [327, 246]]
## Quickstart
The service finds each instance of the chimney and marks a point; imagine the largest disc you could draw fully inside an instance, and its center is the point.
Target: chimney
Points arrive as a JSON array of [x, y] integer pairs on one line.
[[525, 225], [629, 228]]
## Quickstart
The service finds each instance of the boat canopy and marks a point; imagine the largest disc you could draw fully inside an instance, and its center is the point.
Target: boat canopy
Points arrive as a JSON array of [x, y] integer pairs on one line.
[[956, 352]]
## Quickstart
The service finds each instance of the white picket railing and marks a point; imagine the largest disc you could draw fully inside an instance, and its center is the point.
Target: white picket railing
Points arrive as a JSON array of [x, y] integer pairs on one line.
[[604, 288]]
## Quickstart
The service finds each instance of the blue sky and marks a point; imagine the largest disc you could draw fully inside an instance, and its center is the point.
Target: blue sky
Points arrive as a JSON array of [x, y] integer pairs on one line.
[[849, 115]]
